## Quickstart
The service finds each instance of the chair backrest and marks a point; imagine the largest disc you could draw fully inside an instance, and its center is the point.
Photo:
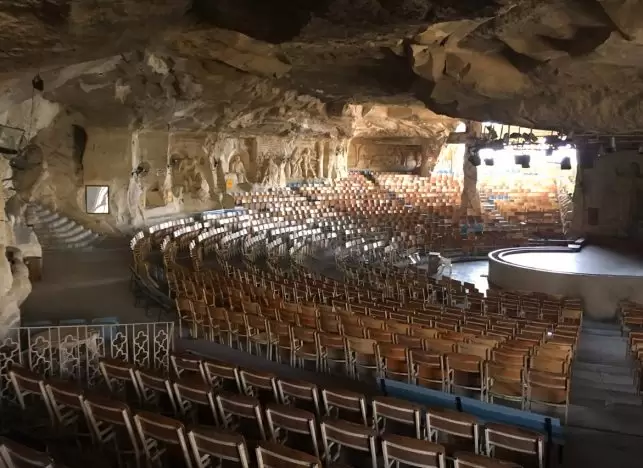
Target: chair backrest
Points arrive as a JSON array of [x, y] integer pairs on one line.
[[206, 442], [218, 373], [284, 418], [182, 363], [192, 390], [252, 381], [347, 434], [112, 412], [514, 439], [297, 390], [116, 369], [272, 455], [398, 410], [339, 401], [471, 460], [26, 382], [453, 423], [240, 406], [412, 451], [159, 428], [14, 455]]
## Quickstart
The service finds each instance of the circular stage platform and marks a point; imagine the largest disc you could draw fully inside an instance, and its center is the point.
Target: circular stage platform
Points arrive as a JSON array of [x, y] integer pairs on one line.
[[600, 276]]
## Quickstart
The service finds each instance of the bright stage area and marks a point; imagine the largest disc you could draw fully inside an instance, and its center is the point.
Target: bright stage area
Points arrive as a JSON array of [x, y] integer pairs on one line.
[[600, 276], [591, 260]]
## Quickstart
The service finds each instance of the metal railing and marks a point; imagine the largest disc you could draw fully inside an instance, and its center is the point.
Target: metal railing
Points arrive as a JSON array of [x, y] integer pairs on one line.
[[72, 352]]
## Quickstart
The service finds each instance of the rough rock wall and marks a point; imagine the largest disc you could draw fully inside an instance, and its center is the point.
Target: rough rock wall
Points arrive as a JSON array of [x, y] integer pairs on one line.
[[365, 154], [153, 174], [608, 199]]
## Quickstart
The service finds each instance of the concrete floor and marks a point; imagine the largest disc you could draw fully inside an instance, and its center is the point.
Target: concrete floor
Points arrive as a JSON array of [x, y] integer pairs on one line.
[[83, 284], [605, 418]]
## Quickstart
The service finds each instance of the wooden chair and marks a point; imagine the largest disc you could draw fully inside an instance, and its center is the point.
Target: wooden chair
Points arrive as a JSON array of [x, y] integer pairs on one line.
[[155, 386], [28, 386], [399, 411], [502, 438], [428, 369], [120, 377], [453, 427], [345, 404], [337, 434], [222, 376], [466, 372], [112, 424], [272, 455], [259, 384], [398, 449], [191, 393], [548, 390], [392, 361], [505, 382], [159, 432], [362, 356], [472, 460], [68, 407], [284, 420], [236, 408], [14, 455], [298, 393], [187, 363], [333, 351], [208, 444]]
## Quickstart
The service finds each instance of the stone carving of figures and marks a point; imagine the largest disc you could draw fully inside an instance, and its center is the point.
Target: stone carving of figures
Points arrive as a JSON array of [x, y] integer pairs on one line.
[[337, 166], [168, 195], [271, 177], [136, 199], [309, 167], [295, 165], [209, 147], [332, 165], [237, 167]]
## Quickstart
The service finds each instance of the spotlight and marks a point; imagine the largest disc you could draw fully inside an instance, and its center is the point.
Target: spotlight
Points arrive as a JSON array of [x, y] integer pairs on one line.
[[523, 160], [565, 164], [488, 162], [549, 151]]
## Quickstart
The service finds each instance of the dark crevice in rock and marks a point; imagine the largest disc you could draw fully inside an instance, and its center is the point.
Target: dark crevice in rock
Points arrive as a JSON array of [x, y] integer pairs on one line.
[[274, 22], [585, 40]]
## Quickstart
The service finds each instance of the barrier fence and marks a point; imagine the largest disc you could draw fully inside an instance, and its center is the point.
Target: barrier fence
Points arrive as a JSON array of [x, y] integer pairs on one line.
[[72, 352]]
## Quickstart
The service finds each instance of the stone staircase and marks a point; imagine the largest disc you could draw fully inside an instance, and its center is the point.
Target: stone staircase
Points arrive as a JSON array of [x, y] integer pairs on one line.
[[489, 207], [58, 232], [603, 374]]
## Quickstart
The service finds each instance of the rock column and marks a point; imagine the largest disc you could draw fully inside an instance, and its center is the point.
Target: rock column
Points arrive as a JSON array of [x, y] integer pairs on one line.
[[470, 199]]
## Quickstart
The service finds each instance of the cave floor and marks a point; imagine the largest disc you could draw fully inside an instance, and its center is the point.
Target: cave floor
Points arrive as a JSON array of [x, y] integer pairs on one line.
[[605, 424]]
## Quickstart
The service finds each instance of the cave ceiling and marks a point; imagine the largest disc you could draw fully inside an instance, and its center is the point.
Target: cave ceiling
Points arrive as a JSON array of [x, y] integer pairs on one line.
[[353, 67]]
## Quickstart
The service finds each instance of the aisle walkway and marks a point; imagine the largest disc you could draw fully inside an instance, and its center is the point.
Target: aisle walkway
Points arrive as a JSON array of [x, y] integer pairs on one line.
[[83, 284], [606, 414]]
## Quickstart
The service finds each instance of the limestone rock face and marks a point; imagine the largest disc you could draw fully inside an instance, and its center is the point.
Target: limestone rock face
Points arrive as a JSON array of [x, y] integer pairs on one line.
[[272, 66]]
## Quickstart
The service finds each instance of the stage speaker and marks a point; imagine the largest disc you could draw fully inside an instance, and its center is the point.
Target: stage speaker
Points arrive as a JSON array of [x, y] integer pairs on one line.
[[586, 157]]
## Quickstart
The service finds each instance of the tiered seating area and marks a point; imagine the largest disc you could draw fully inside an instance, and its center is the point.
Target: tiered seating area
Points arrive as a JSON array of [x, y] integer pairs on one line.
[[249, 279], [246, 280], [523, 202], [631, 316]]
